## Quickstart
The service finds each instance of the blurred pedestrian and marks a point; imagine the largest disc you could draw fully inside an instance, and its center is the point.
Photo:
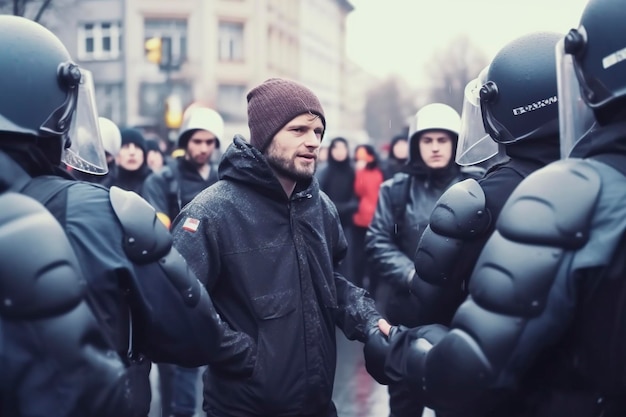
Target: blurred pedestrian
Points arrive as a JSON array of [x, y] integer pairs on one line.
[[131, 168], [336, 179], [170, 189], [367, 181], [398, 156], [155, 158]]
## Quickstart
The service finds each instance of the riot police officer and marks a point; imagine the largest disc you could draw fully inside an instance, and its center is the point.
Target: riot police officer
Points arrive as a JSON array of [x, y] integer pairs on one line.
[[146, 300], [49, 337], [510, 114], [542, 330]]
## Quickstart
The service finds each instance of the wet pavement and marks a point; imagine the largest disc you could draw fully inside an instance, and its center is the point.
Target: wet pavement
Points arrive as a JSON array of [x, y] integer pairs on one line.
[[356, 393]]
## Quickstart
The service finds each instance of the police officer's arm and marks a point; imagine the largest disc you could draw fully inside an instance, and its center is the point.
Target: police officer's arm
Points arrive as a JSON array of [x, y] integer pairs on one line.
[[384, 256], [179, 322], [522, 295]]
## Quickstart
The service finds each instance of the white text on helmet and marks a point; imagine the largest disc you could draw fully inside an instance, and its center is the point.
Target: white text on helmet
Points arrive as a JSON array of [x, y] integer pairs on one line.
[[534, 106]]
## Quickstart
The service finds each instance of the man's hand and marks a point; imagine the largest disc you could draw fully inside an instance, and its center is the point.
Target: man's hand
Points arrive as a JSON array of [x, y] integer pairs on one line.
[[384, 326], [376, 349]]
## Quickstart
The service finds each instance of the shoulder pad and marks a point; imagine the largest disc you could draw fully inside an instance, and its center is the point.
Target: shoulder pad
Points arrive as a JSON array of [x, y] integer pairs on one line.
[[460, 211], [39, 273], [560, 198], [146, 239]]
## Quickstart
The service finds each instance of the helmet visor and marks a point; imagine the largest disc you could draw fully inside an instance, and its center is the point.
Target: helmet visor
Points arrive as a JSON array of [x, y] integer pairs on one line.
[[86, 152], [474, 145], [575, 117]]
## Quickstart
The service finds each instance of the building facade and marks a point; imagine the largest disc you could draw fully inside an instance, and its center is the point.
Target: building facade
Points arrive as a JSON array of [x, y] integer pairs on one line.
[[213, 51]]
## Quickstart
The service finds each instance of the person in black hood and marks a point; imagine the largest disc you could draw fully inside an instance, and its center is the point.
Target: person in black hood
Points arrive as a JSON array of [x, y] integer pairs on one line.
[[398, 155], [131, 168], [267, 243], [336, 179]]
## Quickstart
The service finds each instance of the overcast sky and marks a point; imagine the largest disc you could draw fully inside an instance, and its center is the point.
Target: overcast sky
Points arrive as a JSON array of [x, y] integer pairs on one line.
[[399, 36]]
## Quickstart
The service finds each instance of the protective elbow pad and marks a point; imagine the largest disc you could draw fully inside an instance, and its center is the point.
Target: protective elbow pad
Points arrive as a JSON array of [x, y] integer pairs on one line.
[[146, 239], [33, 287], [459, 215]]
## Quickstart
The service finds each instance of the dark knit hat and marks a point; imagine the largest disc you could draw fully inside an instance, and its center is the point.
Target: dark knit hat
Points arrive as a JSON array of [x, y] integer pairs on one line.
[[135, 137], [273, 104]]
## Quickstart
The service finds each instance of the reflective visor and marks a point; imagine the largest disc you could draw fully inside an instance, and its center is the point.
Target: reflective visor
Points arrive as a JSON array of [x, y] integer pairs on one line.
[[474, 145], [86, 152], [575, 117]]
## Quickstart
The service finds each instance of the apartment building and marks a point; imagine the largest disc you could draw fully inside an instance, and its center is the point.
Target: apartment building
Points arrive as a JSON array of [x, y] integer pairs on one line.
[[217, 50]]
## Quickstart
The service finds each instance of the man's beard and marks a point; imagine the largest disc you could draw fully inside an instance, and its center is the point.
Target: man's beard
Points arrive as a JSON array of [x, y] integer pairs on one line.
[[198, 161], [287, 168]]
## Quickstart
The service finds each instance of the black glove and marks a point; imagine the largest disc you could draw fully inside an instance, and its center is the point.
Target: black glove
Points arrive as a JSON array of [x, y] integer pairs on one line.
[[375, 352]]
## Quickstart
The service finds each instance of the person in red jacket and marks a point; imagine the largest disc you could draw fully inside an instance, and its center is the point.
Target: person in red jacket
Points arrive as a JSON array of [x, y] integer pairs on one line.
[[368, 178]]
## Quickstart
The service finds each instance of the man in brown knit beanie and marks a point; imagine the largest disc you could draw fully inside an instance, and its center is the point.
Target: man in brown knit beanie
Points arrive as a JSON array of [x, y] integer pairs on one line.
[[267, 244], [274, 103]]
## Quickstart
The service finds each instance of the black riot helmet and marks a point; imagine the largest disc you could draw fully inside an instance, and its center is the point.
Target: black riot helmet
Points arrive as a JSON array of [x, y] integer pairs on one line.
[[519, 99], [598, 49], [45, 95]]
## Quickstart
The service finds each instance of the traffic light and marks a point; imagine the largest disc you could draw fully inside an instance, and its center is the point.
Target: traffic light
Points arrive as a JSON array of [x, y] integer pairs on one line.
[[173, 112], [154, 50]]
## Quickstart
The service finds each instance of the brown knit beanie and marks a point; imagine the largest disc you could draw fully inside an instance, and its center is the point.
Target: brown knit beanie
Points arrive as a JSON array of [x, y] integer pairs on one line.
[[273, 104]]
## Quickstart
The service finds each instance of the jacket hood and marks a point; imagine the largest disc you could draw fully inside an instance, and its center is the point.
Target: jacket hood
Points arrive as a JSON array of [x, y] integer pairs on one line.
[[418, 168], [244, 163]]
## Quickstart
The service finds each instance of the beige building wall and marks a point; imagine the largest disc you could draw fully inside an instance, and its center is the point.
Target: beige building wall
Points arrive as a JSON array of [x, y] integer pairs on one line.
[[228, 46]]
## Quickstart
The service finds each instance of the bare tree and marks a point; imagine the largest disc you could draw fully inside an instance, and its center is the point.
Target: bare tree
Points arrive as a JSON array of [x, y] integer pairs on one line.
[[32, 9], [386, 110], [452, 68]]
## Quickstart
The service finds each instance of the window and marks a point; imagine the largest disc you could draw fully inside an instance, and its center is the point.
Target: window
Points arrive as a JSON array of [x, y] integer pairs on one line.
[[110, 102], [231, 102], [230, 47], [173, 34], [99, 41]]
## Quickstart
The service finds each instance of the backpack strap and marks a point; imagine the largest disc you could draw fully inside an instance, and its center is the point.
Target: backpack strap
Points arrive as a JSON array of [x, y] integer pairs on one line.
[[45, 189], [399, 194]]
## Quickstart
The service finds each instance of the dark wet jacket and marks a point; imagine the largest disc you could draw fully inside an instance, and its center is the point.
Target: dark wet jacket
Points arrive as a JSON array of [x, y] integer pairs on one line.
[[268, 261]]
